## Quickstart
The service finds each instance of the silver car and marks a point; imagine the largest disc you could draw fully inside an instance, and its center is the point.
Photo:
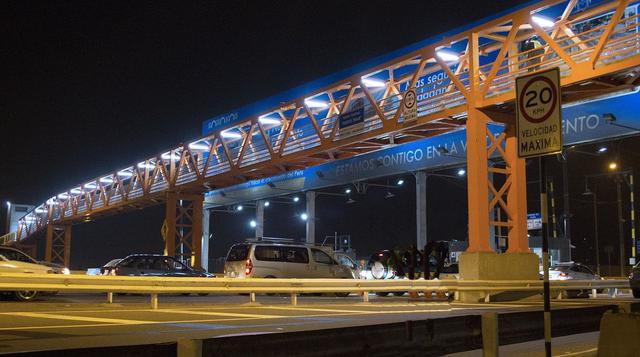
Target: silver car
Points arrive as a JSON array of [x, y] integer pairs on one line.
[[271, 260]]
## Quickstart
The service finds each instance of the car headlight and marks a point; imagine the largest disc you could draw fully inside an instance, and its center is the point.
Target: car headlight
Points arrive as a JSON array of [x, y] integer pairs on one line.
[[66, 271]]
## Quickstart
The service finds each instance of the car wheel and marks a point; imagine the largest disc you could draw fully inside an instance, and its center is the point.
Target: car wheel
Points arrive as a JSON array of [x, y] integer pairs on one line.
[[342, 294], [185, 294], [636, 293], [398, 293], [203, 294], [25, 295], [382, 293], [379, 270]]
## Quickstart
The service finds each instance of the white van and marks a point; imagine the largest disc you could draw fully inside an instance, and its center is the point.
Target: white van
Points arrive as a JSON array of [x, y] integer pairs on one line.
[[273, 260]]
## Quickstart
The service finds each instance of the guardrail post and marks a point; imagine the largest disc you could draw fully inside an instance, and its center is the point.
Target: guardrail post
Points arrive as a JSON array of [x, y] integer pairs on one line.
[[594, 293], [294, 299], [252, 297], [154, 301], [189, 348], [109, 298], [487, 297], [490, 343], [365, 296]]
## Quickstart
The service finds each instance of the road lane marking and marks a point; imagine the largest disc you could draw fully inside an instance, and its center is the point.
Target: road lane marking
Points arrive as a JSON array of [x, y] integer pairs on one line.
[[76, 318], [363, 312], [56, 327], [227, 314]]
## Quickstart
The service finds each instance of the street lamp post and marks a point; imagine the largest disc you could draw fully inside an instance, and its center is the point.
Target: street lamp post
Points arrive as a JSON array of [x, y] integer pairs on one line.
[[8, 224], [620, 223], [595, 221]]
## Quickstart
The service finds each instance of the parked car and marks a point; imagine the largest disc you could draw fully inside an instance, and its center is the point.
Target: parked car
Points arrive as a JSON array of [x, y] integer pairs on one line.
[[274, 260], [18, 266], [151, 265], [573, 271], [18, 255], [346, 260], [634, 280]]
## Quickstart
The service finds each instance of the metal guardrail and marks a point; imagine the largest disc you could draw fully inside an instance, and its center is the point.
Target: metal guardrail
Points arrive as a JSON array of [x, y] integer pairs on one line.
[[173, 285], [8, 238]]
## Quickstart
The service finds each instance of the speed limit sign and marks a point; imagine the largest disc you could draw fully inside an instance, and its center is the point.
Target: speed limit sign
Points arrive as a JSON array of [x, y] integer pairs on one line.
[[539, 122]]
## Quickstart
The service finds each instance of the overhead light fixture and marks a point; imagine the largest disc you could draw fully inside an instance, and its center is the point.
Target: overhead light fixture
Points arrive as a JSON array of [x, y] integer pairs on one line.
[[125, 173], [230, 135], [63, 196], [51, 201], [76, 191], [462, 172], [170, 156], [296, 198], [90, 185], [304, 216], [448, 56], [239, 208], [266, 204], [269, 121], [542, 21], [613, 165], [40, 210], [602, 149], [400, 182], [373, 83], [199, 147], [253, 223], [315, 103], [106, 179], [144, 165], [347, 191]]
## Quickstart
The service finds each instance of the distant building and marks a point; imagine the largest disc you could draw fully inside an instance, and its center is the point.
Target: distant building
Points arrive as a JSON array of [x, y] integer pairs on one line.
[[16, 211]]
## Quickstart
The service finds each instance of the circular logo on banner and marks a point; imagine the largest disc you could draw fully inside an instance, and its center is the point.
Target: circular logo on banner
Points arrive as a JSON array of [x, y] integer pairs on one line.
[[409, 99], [538, 99]]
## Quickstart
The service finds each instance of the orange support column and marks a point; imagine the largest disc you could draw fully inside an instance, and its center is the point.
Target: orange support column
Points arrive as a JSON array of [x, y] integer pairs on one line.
[[183, 227], [58, 244], [478, 182], [517, 196]]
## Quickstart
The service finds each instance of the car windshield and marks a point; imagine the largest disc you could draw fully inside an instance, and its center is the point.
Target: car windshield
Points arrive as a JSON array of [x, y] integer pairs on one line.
[[238, 252], [112, 263], [11, 254]]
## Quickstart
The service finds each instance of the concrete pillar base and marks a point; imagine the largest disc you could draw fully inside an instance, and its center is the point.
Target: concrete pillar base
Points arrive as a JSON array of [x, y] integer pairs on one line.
[[494, 266]]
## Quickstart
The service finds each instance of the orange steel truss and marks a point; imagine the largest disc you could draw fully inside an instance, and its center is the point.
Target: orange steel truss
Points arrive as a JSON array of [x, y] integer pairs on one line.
[[184, 227], [480, 64], [58, 244]]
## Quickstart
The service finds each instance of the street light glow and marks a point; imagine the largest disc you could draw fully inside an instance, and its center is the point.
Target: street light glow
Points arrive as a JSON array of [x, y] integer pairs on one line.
[[347, 191], [199, 147], [266, 203], [304, 216], [253, 223], [602, 149], [400, 182], [613, 165], [462, 172], [239, 208], [296, 198]]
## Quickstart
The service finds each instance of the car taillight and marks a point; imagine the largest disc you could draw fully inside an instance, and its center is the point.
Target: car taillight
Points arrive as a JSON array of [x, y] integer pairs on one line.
[[248, 267], [113, 271]]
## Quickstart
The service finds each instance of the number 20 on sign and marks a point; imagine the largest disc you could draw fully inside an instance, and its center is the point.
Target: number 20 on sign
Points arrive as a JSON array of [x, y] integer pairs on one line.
[[539, 122]]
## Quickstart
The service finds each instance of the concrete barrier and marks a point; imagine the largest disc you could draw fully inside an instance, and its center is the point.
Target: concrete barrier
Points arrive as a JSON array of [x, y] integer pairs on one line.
[[619, 335]]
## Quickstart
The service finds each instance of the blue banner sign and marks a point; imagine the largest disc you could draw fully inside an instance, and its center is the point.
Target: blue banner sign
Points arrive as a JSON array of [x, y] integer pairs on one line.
[[582, 123]]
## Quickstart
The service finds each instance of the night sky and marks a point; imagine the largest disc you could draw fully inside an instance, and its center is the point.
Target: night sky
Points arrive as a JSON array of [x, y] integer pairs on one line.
[[92, 86]]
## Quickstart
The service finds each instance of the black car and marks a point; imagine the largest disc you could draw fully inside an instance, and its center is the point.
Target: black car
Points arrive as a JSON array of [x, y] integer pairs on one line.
[[151, 265], [634, 280]]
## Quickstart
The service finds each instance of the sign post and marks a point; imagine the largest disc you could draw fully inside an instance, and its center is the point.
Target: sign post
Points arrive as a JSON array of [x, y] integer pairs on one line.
[[539, 128]]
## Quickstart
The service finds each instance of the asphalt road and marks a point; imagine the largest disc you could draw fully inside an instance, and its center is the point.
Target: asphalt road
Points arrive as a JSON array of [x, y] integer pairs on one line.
[[72, 321]]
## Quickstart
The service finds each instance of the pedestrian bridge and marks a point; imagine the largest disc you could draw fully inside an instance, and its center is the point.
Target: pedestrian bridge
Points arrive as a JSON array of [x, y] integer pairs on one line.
[[463, 79]]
